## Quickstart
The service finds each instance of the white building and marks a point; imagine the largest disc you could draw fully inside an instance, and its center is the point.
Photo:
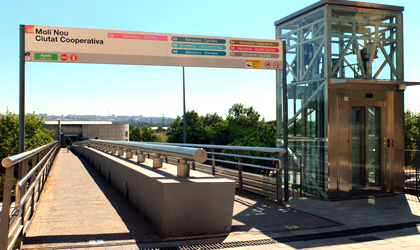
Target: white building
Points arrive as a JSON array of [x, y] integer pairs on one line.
[[84, 130]]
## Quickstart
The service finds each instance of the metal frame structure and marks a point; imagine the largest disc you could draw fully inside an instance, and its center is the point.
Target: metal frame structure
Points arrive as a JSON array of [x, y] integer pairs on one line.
[[306, 40], [336, 49], [360, 39]]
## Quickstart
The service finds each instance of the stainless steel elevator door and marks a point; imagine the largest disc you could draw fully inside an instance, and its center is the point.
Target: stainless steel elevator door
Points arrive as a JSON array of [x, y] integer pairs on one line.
[[366, 148]]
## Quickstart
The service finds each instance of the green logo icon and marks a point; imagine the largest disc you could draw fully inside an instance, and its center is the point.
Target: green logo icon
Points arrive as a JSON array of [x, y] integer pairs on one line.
[[46, 56]]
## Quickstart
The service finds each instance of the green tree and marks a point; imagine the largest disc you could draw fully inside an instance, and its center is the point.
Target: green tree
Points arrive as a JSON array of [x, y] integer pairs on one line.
[[9, 133], [220, 133], [149, 135], [34, 136], [178, 122], [412, 135], [135, 133], [241, 115], [195, 130], [144, 133], [210, 119], [9, 136]]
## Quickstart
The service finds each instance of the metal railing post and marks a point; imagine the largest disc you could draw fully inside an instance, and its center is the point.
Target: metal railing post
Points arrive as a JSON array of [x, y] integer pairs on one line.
[[278, 179], [157, 161], [33, 178], [240, 171], [183, 170], [7, 201], [301, 177], [140, 157], [24, 172], [129, 154], [417, 177], [213, 163]]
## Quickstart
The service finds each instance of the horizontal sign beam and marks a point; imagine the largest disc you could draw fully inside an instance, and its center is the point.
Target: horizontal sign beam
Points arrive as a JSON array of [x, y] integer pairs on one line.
[[72, 45]]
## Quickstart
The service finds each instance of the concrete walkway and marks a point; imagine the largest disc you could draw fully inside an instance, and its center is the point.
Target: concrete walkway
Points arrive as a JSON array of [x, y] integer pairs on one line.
[[79, 210]]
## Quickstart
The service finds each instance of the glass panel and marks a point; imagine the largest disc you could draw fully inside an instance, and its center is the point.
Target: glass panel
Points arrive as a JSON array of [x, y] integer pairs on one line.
[[374, 148], [307, 103], [358, 147], [365, 44]]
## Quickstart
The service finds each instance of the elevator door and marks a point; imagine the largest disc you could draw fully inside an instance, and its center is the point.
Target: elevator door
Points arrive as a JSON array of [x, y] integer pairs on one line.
[[366, 147]]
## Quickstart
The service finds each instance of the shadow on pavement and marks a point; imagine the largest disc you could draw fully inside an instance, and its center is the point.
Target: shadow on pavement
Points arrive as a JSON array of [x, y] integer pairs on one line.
[[141, 229]]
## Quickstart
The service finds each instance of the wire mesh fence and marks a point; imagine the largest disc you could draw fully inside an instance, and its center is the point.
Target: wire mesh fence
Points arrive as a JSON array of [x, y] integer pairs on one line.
[[412, 173]]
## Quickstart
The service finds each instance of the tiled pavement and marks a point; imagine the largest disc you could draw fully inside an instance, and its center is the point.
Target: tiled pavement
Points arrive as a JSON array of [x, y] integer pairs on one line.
[[101, 219]]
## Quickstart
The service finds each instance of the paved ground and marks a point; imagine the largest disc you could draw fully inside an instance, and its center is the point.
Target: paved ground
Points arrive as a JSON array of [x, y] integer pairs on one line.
[[79, 210]]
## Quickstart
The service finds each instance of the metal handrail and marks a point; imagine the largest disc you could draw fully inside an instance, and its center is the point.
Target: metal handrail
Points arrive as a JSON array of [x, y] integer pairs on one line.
[[197, 154], [23, 210], [24, 180], [245, 156], [411, 150], [237, 148], [11, 160], [240, 164], [261, 149], [245, 164], [186, 152]]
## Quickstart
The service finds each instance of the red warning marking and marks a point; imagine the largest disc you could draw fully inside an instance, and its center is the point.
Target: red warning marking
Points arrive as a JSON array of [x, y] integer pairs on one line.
[[64, 57], [73, 57], [29, 29], [267, 64], [276, 65]]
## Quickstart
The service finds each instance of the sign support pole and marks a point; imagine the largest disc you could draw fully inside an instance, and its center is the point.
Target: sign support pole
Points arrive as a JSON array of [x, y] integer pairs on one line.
[[285, 129], [21, 95], [185, 116]]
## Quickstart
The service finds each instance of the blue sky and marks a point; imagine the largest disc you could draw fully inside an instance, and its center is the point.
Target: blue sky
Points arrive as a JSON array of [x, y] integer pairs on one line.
[[56, 88]]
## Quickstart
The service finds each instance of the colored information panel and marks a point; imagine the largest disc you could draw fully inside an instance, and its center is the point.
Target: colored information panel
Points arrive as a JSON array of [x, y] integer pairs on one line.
[[72, 45]]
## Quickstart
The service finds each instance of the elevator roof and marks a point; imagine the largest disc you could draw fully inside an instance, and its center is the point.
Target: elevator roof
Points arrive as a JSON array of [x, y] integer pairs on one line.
[[340, 3]]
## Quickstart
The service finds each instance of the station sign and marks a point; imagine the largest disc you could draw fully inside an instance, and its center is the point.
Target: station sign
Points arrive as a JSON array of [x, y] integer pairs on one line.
[[73, 45]]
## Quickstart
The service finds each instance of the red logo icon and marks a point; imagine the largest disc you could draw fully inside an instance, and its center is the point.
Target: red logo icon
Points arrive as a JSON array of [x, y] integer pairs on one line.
[[64, 57], [276, 65], [29, 29], [267, 64], [73, 57]]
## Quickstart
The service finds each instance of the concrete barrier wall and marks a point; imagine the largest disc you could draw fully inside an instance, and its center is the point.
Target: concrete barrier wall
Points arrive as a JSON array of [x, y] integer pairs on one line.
[[195, 205]]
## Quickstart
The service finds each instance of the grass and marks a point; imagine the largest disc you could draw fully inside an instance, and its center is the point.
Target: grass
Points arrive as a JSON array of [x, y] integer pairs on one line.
[[163, 136]]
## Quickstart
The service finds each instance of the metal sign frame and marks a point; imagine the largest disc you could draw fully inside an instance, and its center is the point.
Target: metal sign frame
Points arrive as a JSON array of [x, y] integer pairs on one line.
[[75, 45]]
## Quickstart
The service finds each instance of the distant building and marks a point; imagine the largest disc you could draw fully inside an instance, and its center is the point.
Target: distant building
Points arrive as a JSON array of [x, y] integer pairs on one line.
[[84, 130], [160, 129]]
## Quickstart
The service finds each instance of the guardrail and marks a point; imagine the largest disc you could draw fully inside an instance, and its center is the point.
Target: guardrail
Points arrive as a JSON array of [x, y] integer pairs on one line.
[[182, 153], [15, 220], [412, 173], [268, 186]]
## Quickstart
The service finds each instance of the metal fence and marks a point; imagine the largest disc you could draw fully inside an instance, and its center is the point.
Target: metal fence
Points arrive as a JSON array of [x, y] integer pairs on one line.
[[15, 218], [412, 173], [254, 169], [182, 154]]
